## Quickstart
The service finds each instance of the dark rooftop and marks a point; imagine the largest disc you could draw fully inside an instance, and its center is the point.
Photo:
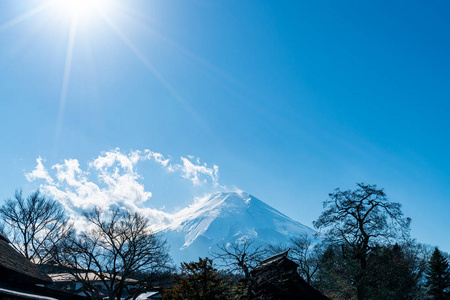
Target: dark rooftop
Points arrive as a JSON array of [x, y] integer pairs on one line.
[[18, 265]]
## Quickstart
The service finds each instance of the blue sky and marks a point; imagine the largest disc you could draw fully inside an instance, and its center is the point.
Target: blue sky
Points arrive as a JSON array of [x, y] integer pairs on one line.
[[289, 99]]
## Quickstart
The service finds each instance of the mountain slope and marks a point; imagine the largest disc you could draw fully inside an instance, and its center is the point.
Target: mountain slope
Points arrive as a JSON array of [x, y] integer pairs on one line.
[[226, 218]]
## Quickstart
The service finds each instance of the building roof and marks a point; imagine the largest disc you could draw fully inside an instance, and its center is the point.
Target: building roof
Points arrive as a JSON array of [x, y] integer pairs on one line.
[[4, 238], [90, 276], [18, 265], [148, 295], [277, 278], [275, 258], [23, 295]]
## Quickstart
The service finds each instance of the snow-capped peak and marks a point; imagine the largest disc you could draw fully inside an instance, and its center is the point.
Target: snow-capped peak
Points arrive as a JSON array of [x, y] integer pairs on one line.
[[227, 218]]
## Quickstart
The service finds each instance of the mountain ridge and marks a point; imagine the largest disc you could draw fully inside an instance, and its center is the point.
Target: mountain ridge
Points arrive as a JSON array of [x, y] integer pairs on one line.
[[228, 217]]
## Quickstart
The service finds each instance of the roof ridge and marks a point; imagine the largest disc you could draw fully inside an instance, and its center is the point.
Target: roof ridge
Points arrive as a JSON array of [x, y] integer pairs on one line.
[[276, 256]]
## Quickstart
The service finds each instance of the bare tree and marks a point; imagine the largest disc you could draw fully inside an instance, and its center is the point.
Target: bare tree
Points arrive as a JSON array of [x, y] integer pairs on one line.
[[304, 252], [34, 224], [118, 250], [359, 219], [240, 257]]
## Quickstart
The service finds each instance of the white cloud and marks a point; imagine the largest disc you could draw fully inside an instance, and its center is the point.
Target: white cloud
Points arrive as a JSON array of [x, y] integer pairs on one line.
[[112, 158], [39, 172], [159, 158], [198, 173], [111, 181]]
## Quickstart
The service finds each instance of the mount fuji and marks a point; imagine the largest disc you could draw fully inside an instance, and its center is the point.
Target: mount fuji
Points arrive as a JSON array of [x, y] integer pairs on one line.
[[227, 218]]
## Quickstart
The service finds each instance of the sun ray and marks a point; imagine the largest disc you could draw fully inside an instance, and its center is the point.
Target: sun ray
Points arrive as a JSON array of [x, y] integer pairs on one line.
[[156, 73], [26, 15], [209, 67], [230, 84], [143, 59], [66, 78]]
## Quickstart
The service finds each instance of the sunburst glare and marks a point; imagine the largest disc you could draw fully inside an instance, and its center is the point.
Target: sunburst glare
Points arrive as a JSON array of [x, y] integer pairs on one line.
[[80, 7], [82, 21], [26, 15]]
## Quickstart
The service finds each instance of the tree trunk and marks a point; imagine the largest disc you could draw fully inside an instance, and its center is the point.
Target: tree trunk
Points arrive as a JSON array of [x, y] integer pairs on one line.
[[361, 284]]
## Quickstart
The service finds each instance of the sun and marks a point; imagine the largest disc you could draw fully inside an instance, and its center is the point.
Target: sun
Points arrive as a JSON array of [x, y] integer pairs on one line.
[[81, 7]]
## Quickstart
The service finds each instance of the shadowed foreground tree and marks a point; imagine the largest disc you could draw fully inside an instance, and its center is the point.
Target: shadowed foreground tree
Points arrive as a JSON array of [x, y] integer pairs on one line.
[[359, 220], [334, 276], [438, 276], [240, 257], [118, 249], [34, 224], [390, 274], [200, 281]]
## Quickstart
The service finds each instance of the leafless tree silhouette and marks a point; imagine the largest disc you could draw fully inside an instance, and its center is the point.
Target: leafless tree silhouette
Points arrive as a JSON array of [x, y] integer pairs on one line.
[[116, 249], [34, 224], [240, 257]]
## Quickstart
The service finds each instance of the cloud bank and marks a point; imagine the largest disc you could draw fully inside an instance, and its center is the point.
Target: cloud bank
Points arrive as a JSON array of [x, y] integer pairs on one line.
[[111, 181]]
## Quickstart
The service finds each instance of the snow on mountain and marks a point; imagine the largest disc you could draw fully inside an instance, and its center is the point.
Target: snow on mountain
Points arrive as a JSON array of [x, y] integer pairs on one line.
[[226, 218]]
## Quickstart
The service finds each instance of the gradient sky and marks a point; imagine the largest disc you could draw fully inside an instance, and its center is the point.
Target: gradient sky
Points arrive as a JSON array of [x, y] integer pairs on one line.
[[290, 99]]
